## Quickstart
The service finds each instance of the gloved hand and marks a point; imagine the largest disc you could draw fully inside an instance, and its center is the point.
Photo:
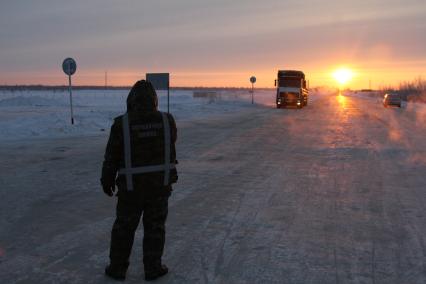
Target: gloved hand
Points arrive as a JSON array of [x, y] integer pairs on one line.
[[173, 176], [108, 187]]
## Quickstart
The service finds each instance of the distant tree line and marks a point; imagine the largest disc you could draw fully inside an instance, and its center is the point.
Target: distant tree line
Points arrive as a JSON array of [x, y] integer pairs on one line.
[[415, 90]]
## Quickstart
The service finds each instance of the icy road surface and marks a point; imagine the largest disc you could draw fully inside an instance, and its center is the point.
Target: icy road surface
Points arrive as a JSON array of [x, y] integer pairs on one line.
[[333, 193]]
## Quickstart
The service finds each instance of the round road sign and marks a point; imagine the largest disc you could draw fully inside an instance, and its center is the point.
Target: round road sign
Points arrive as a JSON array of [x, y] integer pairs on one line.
[[253, 79], [69, 66]]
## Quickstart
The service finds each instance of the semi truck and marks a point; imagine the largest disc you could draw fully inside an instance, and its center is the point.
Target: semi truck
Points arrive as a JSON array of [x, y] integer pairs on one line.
[[291, 89]]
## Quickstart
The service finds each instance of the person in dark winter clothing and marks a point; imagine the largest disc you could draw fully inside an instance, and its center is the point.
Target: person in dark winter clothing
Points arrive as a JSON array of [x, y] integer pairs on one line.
[[140, 160]]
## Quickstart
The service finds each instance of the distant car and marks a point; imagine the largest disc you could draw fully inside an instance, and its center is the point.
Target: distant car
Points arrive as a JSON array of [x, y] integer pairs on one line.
[[392, 100]]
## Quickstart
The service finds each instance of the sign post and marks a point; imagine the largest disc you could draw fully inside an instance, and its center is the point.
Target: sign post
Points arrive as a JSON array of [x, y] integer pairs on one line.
[[252, 80], [160, 81], [70, 66]]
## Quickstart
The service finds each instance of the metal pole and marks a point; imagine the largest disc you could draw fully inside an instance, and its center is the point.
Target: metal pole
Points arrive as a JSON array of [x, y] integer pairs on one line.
[[168, 97], [252, 93], [70, 90]]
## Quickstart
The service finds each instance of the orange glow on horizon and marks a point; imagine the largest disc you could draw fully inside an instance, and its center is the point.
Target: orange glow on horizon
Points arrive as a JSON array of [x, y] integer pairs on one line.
[[385, 74]]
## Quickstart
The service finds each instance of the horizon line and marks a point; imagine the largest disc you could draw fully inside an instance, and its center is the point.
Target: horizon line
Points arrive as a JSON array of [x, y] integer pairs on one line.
[[62, 86]]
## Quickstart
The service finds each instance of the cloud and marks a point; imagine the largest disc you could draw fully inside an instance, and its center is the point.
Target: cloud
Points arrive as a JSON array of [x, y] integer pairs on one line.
[[204, 35]]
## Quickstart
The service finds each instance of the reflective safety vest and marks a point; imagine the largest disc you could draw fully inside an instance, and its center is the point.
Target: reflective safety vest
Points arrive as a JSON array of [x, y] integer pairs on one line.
[[129, 171]]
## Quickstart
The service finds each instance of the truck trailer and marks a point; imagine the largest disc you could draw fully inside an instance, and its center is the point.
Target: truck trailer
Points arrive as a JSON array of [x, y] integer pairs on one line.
[[291, 89]]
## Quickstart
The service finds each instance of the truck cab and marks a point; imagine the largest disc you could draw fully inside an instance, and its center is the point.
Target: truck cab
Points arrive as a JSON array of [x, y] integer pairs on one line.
[[291, 89]]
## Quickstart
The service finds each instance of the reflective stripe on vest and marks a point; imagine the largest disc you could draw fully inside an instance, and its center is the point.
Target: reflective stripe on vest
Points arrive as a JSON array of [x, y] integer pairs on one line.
[[129, 171]]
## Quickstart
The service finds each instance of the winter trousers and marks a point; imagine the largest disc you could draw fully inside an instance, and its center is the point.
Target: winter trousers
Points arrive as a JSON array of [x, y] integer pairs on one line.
[[129, 212]]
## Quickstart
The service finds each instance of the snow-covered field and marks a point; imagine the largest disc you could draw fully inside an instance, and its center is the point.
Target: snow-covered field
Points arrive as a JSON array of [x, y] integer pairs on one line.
[[331, 193], [42, 114]]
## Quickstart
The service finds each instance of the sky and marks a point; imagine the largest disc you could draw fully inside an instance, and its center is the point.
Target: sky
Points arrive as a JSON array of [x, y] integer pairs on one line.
[[218, 43]]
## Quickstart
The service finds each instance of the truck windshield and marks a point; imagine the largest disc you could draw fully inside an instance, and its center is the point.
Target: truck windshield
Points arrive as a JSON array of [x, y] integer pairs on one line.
[[290, 82]]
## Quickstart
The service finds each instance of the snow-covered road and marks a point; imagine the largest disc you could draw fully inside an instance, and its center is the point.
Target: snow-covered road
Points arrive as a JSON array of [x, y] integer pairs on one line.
[[332, 193]]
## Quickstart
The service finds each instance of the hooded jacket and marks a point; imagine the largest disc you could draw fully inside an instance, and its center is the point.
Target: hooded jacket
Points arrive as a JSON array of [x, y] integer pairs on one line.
[[147, 142]]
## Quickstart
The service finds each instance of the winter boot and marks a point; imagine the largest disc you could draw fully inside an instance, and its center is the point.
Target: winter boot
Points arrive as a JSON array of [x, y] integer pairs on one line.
[[152, 274], [117, 272]]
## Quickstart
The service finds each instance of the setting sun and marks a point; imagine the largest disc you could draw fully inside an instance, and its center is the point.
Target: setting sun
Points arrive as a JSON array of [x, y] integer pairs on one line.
[[343, 75]]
